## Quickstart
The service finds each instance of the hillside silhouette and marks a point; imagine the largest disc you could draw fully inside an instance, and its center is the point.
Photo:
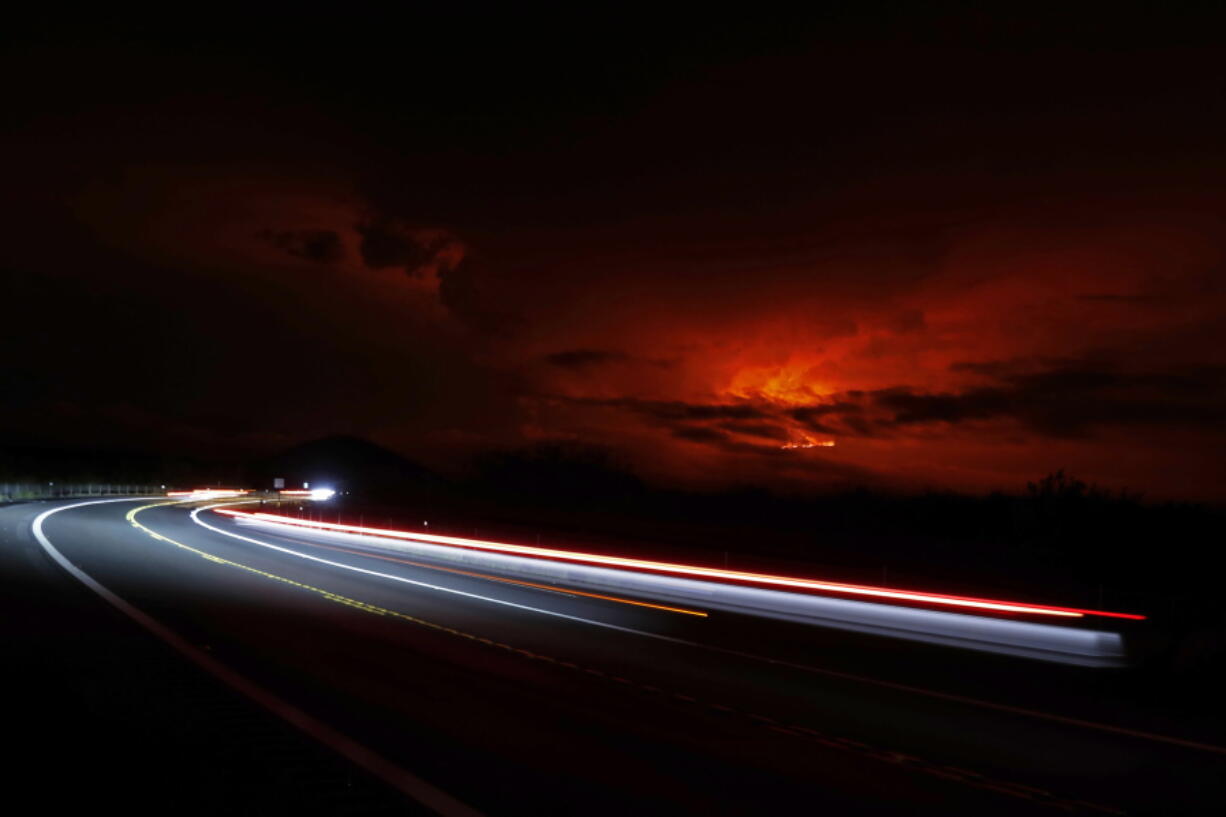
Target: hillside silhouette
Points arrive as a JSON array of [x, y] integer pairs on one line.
[[346, 463]]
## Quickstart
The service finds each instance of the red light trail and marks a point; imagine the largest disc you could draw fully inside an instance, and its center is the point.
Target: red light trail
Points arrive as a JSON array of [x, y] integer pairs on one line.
[[695, 571]]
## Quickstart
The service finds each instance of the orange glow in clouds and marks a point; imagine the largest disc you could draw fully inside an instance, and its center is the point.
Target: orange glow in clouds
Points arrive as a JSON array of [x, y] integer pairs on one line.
[[787, 385], [807, 442]]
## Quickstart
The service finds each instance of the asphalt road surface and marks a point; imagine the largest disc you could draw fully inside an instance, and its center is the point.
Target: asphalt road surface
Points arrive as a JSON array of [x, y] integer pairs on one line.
[[463, 694]]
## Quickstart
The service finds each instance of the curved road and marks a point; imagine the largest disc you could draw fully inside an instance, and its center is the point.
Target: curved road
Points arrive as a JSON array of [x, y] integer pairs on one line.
[[473, 695]]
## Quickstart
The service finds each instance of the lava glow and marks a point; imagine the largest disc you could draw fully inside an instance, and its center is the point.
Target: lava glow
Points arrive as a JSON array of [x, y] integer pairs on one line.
[[807, 443]]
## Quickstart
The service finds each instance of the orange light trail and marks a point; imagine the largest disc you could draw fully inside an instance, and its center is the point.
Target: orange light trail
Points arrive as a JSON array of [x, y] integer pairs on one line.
[[696, 571], [567, 590]]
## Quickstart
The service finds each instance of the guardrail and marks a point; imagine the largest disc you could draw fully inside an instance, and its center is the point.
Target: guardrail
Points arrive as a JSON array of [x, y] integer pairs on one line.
[[21, 491]]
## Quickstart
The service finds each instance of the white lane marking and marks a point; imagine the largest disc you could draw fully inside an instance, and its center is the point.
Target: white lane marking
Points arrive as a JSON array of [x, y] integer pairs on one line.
[[425, 793], [427, 585], [572, 593], [929, 693]]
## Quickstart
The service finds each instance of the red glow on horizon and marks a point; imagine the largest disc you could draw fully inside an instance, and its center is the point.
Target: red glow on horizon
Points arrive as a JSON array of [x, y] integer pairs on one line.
[[807, 443], [696, 571]]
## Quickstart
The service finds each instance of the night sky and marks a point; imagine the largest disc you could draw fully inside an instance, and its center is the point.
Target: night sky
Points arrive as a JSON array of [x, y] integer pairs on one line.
[[965, 250]]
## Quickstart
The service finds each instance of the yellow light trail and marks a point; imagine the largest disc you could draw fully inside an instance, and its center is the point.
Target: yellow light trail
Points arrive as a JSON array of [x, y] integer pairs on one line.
[[131, 518], [554, 588]]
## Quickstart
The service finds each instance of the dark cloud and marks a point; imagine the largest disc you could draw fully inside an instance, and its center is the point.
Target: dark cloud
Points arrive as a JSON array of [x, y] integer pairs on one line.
[[700, 434], [585, 358], [1114, 298], [905, 407], [476, 297], [1067, 402], [387, 243], [847, 412], [324, 246], [1009, 367], [578, 360], [678, 411], [768, 431], [714, 438], [425, 254]]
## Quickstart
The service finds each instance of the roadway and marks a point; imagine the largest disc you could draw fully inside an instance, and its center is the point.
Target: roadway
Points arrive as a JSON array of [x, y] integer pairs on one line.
[[507, 698]]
